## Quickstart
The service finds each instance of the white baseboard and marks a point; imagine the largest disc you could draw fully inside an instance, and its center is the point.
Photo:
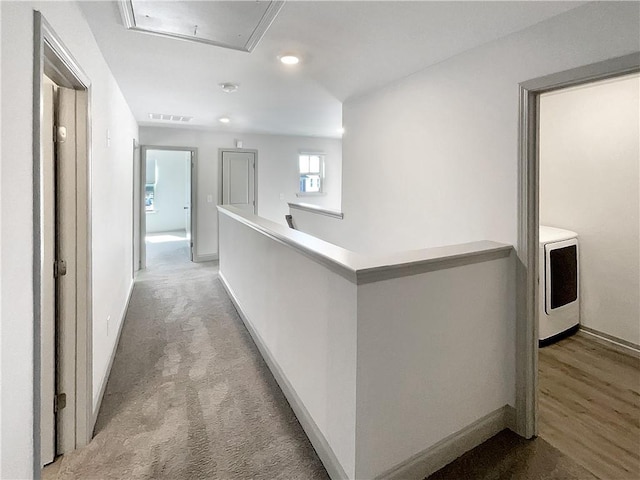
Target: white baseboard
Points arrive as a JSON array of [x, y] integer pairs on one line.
[[448, 449], [103, 385], [617, 344], [209, 257], [319, 442]]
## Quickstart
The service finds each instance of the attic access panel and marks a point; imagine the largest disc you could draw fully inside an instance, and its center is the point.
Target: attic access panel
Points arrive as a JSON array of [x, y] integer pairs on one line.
[[229, 24]]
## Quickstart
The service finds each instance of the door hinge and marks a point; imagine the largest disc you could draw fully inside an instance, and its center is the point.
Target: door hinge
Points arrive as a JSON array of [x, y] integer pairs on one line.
[[59, 402], [59, 268], [59, 134]]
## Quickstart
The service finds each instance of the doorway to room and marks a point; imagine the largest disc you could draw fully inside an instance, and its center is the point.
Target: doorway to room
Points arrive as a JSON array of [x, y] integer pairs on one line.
[[589, 154], [62, 250], [168, 220], [579, 356]]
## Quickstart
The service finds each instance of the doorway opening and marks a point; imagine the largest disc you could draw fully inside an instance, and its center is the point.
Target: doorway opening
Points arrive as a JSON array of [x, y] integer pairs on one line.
[[579, 173], [63, 399], [168, 201]]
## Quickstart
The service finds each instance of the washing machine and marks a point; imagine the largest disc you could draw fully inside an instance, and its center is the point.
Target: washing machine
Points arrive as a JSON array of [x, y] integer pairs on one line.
[[559, 281]]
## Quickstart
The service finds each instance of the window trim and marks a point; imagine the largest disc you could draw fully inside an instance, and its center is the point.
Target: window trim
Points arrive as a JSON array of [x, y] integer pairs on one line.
[[153, 205], [322, 156]]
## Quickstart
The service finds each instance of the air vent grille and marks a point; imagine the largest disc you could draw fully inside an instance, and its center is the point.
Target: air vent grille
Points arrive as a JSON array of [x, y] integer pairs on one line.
[[170, 118]]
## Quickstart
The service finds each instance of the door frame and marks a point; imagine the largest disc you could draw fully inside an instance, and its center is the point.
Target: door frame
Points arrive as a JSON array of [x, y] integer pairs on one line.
[[52, 58], [255, 173], [528, 224], [135, 200], [193, 247]]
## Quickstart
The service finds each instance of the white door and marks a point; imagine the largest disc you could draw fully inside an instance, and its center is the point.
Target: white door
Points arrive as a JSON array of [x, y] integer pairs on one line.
[[238, 180], [66, 229], [58, 312], [48, 287]]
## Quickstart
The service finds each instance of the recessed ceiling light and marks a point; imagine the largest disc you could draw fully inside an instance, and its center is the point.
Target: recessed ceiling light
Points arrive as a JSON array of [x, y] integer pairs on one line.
[[229, 87], [341, 130], [224, 119], [289, 59]]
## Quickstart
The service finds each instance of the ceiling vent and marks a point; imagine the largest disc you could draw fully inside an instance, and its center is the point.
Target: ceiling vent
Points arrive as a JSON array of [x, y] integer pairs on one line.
[[229, 24], [170, 118]]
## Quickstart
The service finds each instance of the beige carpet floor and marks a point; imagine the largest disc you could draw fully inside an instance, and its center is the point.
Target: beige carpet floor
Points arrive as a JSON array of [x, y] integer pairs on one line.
[[189, 396]]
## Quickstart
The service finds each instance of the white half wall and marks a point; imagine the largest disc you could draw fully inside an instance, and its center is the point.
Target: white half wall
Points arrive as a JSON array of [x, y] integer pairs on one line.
[[171, 192], [277, 172], [435, 354], [432, 159], [388, 354], [313, 339], [590, 183], [112, 184]]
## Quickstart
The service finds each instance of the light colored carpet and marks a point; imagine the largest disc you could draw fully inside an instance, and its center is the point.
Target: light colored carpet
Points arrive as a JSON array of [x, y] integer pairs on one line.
[[189, 396]]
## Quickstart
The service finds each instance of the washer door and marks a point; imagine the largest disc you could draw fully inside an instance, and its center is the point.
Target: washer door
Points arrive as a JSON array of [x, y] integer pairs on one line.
[[561, 275]]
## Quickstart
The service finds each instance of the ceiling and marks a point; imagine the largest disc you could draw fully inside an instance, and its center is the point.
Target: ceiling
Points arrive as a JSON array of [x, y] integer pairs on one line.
[[346, 48]]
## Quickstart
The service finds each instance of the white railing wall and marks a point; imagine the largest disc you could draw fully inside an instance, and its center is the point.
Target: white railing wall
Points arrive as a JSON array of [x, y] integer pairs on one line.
[[303, 316], [393, 364]]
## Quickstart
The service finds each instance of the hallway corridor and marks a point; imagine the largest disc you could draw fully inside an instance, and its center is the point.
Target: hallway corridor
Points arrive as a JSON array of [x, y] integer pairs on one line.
[[189, 396]]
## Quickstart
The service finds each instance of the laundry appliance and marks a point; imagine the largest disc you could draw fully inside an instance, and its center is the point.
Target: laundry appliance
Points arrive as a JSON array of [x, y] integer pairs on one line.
[[559, 284]]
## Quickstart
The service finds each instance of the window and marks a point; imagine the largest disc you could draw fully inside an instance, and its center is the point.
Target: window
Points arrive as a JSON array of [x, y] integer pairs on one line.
[[311, 168], [149, 198]]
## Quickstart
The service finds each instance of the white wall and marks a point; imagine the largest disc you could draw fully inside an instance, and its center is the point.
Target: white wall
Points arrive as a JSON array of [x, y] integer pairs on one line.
[[111, 212], [171, 190], [429, 364], [432, 159], [590, 183], [277, 172], [309, 327]]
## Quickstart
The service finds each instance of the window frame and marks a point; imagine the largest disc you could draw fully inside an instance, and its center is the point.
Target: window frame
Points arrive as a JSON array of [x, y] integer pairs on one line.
[[321, 173], [150, 208]]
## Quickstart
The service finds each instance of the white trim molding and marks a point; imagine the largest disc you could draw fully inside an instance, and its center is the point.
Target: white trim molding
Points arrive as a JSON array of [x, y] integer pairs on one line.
[[105, 380], [448, 449], [207, 257], [618, 344], [270, 14]]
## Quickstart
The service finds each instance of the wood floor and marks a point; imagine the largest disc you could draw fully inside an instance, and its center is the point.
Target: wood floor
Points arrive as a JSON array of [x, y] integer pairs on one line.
[[589, 405]]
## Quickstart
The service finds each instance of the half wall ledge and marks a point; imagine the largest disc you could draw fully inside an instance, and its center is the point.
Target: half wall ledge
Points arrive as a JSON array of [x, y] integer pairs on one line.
[[367, 268], [307, 207]]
